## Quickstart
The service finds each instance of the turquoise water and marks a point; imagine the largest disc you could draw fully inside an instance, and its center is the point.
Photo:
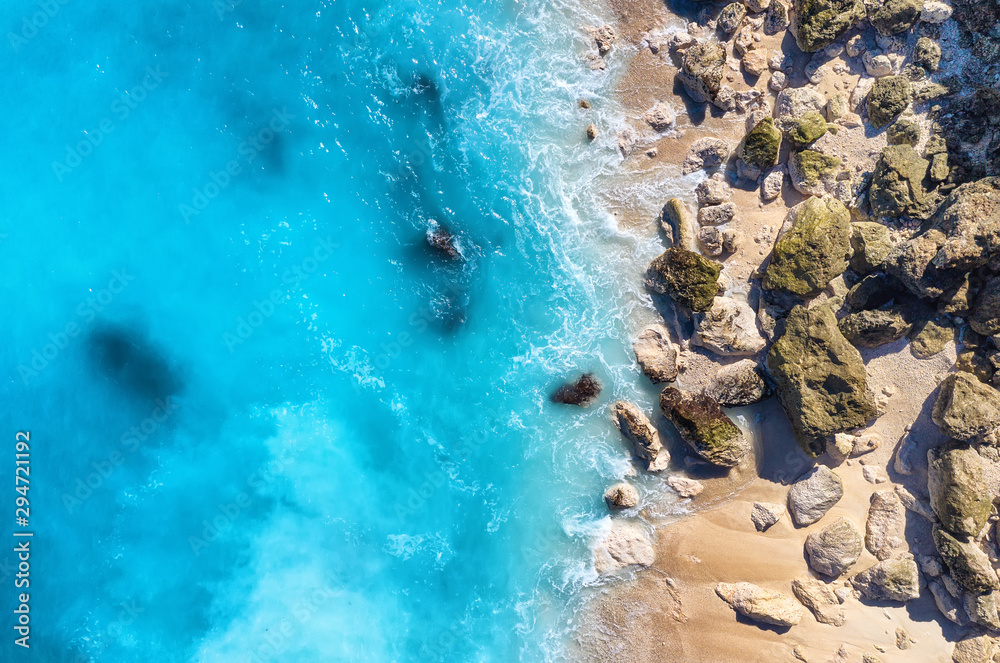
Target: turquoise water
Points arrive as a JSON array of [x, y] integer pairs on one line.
[[267, 421]]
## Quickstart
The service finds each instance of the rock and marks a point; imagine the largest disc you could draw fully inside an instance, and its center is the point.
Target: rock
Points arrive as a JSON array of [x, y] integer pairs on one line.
[[820, 378], [839, 449], [747, 173], [625, 545], [870, 329], [904, 131], [894, 579], [813, 173], [794, 103], [877, 64], [738, 384], [871, 246], [592, 132], [894, 16], [441, 240], [759, 604], [836, 107], [660, 117], [621, 496], [757, 6], [729, 327], [974, 648], [903, 639], [929, 337], [678, 223], [835, 548], [960, 497], [821, 601], [855, 46], [710, 241], [982, 609], [705, 153], [967, 564], [935, 11], [604, 36], [966, 409], [917, 506], [813, 495], [686, 277], [645, 441], [865, 443], [685, 487], [731, 17], [873, 291], [713, 192], [900, 185], [731, 240], [760, 147], [771, 188], [778, 82], [705, 427], [927, 53], [889, 96], [755, 61], [656, 354], [583, 392], [765, 514], [776, 19], [947, 605], [813, 251], [886, 523], [939, 170], [819, 23], [717, 214], [872, 474], [985, 318], [807, 129], [702, 69]]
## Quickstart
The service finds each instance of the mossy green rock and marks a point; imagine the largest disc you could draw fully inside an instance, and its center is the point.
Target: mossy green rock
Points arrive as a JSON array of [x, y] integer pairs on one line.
[[760, 147], [686, 277], [818, 23], [901, 185], [967, 563], [967, 409], [808, 129], [904, 131], [814, 251], [927, 53], [871, 244], [888, 98], [705, 427], [812, 172], [890, 17], [930, 337], [820, 378], [959, 493], [870, 329], [702, 70]]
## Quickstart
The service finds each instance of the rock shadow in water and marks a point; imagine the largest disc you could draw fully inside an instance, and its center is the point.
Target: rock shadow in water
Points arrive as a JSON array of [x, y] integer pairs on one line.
[[132, 362]]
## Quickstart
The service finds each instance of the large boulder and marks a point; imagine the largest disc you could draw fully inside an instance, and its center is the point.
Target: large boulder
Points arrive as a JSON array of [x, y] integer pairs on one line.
[[967, 563], [964, 236], [761, 145], [821, 601], [677, 222], [901, 185], [889, 96], [705, 427], [621, 496], [890, 17], [729, 327], [813, 173], [813, 250], [641, 434], [807, 129], [886, 522], [759, 604], [895, 579], [835, 548], [872, 245], [738, 384], [686, 277], [967, 409], [705, 153], [818, 23], [960, 496], [820, 378], [870, 329], [625, 545], [985, 317], [656, 354], [702, 70], [813, 495]]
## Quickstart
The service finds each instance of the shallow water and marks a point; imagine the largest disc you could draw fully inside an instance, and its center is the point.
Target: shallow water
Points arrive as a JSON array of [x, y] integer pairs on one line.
[[268, 423]]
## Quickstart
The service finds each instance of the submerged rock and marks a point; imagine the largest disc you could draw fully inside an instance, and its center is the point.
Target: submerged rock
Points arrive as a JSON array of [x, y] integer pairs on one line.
[[621, 496], [625, 545], [889, 96], [582, 392], [813, 495], [870, 329], [821, 601], [761, 145], [894, 579], [967, 564], [738, 384], [835, 548], [818, 23], [439, 239], [966, 409], [820, 378], [886, 522], [959, 494], [729, 327], [814, 250], [705, 427], [759, 604], [687, 278], [656, 354], [702, 70], [765, 514], [641, 434]]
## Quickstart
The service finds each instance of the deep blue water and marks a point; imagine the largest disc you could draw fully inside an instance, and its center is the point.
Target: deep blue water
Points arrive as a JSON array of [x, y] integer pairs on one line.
[[267, 421]]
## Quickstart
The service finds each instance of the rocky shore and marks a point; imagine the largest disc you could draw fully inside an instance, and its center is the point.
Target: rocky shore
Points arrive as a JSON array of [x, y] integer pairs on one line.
[[836, 267]]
